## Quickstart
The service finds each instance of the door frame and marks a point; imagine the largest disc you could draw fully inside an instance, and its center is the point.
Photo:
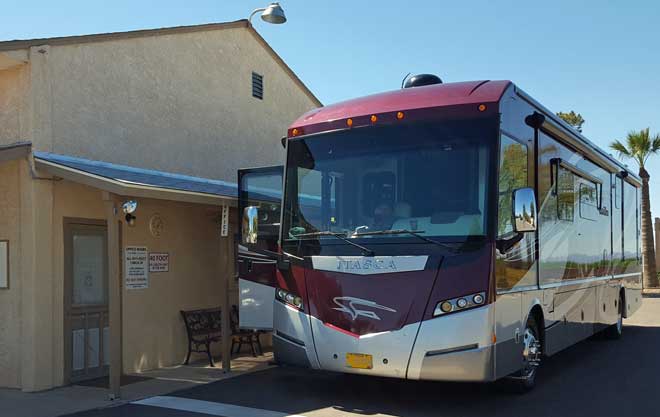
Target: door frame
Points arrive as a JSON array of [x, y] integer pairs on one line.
[[69, 224]]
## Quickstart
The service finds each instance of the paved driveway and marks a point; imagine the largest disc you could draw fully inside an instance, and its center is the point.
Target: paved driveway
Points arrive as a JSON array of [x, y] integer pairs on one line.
[[597, 377]]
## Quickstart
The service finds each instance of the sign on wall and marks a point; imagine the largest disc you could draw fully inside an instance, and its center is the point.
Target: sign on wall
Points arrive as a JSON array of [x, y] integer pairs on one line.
[[224, 226], [136, 274], [159, 262], [4, 264]]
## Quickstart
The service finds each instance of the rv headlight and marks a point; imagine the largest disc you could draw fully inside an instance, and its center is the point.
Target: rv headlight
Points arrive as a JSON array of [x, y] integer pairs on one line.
[[459, 304], [289, 298]]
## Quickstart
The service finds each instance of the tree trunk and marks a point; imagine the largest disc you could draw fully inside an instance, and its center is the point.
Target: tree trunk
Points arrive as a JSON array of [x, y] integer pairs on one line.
[[648, 248]]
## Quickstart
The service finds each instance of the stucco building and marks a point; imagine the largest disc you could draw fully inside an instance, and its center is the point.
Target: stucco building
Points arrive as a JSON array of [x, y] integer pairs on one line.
[[164, 117]]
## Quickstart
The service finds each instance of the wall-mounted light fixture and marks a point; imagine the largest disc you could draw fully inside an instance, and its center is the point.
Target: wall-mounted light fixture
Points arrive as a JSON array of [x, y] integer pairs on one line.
[[129, 207]]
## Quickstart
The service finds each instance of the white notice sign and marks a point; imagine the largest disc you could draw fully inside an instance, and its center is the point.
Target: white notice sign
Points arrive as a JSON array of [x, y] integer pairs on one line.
[[159, 262], [224, 227], [136, 274]]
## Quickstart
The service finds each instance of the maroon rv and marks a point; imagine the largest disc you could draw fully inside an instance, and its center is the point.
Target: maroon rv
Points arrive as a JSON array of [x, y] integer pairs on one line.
[[454, 232]]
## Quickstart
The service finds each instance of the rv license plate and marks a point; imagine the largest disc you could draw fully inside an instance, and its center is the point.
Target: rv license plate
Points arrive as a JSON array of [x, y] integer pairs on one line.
[[359, 361]]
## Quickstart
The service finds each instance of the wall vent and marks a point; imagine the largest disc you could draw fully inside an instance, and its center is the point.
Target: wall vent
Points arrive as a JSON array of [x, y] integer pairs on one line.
[[257, 86]]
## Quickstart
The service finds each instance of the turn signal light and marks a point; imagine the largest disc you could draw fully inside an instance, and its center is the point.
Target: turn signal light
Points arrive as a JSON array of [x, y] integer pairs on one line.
[[349, 122], [460, 304], [374, 118], [289, 298], [399, 115], [295, 131], [482, 107]]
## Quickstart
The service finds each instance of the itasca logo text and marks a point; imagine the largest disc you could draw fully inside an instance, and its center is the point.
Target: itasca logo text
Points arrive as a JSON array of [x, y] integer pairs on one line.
[[349, 305], [366, 264]]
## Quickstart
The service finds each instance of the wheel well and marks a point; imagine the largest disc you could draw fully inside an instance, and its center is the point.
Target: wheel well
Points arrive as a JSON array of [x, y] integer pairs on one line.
[[622, 298], [537, 313]]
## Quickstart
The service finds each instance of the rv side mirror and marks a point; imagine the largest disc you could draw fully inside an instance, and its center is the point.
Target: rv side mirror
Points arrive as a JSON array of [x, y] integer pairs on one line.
[[250, 224], [524, 210]]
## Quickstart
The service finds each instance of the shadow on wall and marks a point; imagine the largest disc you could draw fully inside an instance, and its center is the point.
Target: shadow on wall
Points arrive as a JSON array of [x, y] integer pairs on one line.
[[594, 378]]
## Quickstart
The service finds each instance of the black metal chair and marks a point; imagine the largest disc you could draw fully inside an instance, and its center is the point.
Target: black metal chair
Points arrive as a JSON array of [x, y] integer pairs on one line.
[[203, 328], [241, 337]]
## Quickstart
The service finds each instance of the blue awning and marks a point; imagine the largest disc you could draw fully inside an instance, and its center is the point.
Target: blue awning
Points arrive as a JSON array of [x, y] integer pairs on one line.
[[143, 177]]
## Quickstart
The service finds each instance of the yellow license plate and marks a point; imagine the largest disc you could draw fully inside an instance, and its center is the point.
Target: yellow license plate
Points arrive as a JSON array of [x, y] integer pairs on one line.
[[359, 361]]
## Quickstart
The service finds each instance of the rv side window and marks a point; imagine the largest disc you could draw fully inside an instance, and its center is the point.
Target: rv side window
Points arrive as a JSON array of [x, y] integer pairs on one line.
[[565, 194], [513, 175], [588, 201]]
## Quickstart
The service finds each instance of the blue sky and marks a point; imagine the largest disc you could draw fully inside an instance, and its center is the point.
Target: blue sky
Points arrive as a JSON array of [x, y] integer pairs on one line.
[[599, 58]]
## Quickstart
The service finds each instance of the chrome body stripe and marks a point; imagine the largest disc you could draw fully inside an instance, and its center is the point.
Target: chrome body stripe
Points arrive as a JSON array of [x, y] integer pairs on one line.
[[576, 282], [632, 274]]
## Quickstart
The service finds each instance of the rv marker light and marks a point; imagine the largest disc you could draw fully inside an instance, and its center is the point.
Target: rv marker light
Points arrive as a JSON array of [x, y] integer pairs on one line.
[[446, 306]]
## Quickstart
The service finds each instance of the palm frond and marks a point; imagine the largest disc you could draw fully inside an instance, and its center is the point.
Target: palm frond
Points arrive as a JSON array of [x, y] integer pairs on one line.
[[621, 149], [655, 144]]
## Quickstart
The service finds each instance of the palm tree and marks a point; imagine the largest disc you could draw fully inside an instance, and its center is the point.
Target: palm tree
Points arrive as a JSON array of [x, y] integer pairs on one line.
[[639, 146]]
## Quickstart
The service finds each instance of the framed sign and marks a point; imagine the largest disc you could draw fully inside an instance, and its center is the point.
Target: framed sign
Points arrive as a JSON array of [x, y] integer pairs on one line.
[[159, 262], [4, 264], [137, 264]]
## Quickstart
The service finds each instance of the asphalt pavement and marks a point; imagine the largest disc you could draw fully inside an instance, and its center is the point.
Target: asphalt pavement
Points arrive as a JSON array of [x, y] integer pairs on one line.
[[596, 377]]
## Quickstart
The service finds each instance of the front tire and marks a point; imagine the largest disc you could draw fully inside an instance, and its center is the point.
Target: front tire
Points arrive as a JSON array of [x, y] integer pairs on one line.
[[525, 379]]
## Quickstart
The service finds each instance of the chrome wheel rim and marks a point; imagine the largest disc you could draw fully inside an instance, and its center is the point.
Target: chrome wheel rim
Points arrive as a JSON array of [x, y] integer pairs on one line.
[[531, 353]]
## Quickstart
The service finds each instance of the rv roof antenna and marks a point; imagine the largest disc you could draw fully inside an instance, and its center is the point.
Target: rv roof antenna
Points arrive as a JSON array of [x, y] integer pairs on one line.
[[403, 82]]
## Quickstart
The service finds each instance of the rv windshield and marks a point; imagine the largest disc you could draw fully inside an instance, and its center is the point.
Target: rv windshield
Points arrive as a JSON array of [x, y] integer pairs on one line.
[[428, 178]]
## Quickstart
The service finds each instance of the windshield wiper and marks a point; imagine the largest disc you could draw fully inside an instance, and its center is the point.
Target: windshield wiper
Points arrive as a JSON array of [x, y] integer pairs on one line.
[[340, 236], [415, 233]]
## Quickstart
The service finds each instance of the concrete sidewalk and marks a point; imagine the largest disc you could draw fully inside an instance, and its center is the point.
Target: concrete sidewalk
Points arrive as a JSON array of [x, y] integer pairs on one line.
[[74, 398]]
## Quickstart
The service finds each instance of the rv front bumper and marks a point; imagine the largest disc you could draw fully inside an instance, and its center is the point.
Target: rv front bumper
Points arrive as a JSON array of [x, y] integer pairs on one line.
[[456, 347], [292, 337]]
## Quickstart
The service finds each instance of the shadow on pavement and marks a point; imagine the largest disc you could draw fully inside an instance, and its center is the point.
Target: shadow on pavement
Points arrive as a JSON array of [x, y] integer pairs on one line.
[[596, 377]]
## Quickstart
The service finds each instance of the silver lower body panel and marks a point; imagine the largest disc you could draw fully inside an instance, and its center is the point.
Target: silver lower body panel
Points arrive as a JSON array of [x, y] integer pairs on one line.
[[456, 347]]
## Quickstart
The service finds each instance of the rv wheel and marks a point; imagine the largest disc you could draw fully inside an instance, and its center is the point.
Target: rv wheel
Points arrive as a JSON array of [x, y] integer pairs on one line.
[[615, 331], [525, 379]]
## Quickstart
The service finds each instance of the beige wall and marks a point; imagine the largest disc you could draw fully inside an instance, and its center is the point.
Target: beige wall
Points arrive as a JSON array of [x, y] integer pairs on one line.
[[13, 96], [177, 102], [10, 305], [32, 352], [154, 334]]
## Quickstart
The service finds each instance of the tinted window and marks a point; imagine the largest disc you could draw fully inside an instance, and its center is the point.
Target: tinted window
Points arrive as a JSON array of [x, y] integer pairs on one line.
[[512, 175], [565, 194], [430, 178]]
